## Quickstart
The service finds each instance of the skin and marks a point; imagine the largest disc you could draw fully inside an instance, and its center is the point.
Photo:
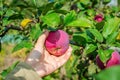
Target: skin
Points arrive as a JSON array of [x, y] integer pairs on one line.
[[42, 61]]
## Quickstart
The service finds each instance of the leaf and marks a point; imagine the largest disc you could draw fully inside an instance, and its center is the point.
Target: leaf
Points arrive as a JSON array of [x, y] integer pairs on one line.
[[97, 34], [89, 48], [1, 13], [111, 73], [92, 69], [9, 12], [81, 22], [5, 72], [69, 17], [34, 1], [35, 31], [6, 22], [23, 44], [25, 22], [104, 54], [39, 3], [110, 26], [85, 2], [79, 39], [51, 19], [118, 36], [111, 38]]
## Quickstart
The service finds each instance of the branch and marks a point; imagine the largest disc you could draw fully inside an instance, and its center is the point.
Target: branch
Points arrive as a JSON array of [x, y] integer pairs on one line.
[[7, 28]]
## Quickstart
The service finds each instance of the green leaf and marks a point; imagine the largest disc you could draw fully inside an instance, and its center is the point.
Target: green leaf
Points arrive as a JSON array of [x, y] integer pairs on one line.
[[92, 69], [90, 12], [6, 22], [89, 48], [110, 26], [85, 2], [34, 1], [81, 22], [23, 44], [97, 34], [106, 1], [111, 73], [69, 17], [38, 3], [79, 39], [9, 12], [104, 54], [111, 38], [1, 13], [35, 31], [5, 72], [51, 19], [14, 65]]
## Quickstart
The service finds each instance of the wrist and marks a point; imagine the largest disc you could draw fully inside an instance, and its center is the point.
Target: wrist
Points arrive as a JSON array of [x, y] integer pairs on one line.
[[33, 57]]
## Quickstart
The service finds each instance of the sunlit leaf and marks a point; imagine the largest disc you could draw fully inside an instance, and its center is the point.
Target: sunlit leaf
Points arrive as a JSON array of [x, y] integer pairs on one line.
[[35, 31], [118, 36], [25, 22], [111, 73], [69, 17], [111, 38], [23, 44], [81, 22], [110, 26], [51, 19], [104, 54], [9, 12], [89, 48], [97, 34]]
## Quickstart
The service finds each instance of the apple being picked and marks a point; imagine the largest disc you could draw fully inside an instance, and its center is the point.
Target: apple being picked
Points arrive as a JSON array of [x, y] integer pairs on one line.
[[114, 60], [57, 42]]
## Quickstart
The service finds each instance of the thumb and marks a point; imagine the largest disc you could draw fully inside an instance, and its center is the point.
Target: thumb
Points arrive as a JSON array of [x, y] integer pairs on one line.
[[41, 40], [35, 54]]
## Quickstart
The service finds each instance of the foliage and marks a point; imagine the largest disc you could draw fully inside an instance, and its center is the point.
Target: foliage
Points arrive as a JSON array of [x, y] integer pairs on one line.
[[23, 21]]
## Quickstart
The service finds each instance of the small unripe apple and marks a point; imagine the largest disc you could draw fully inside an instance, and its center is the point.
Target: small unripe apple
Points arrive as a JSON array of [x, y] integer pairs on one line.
[[114, 60], [57, 42]]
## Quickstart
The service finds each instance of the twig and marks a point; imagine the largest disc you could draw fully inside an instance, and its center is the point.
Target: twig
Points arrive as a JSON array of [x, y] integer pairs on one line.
[[7, 28]]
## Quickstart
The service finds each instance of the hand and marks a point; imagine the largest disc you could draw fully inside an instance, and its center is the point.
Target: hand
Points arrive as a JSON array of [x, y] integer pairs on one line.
[[43, 62]]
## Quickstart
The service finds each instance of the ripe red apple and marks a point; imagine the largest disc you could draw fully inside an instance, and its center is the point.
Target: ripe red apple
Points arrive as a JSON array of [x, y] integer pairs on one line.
[[98, 18], [57, 42], [114, 60], [99, 63]]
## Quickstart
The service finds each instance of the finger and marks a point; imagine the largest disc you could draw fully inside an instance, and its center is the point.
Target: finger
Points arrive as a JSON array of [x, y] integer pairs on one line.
[[41, 40], [36, 53]]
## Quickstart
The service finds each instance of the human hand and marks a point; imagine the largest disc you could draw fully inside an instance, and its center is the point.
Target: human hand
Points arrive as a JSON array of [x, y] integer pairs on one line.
[[42, 61]]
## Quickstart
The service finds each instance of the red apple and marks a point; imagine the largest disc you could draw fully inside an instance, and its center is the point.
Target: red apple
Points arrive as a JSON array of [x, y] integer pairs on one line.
[[99, 63], [98, 18], [114, 60], [57, 42]]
